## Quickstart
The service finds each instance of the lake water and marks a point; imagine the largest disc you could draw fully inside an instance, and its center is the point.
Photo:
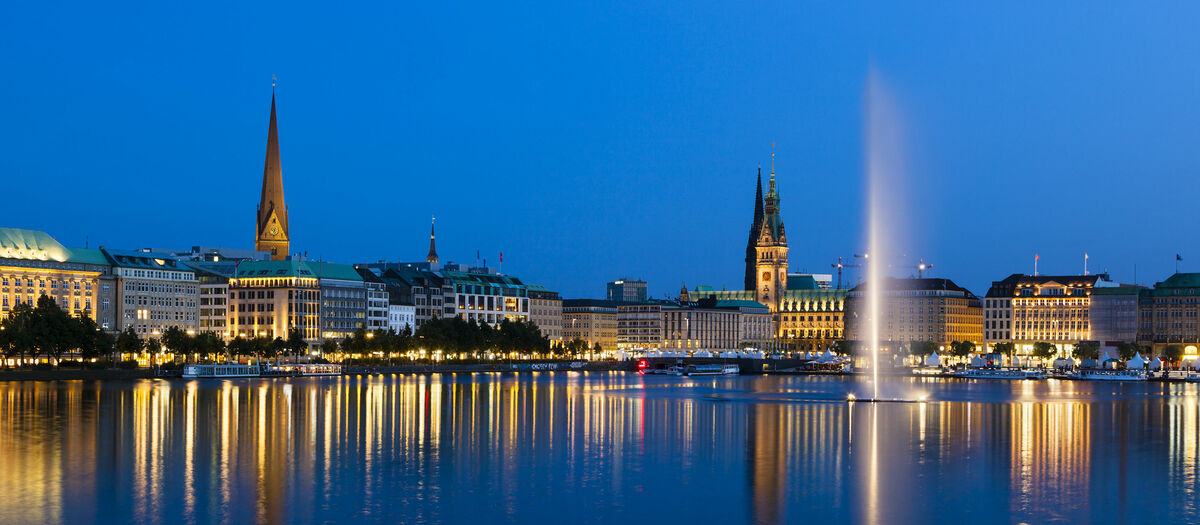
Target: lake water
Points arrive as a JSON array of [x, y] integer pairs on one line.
[[595, 448]]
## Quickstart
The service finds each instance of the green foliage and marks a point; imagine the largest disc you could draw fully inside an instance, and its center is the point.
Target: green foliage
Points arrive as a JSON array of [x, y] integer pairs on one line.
[[1128, 350], [962, 348], [1044, 350], [455, 334], [1087, 350], [921, 348], [843, 347], [47, 330], [1172, 353], [1004, 348]]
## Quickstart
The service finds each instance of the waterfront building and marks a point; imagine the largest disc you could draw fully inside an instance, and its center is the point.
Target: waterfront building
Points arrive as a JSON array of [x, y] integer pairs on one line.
[[485, 295], [546, 311], [592, 320], [377, 300], [272, 234], [1113, 313], [212, 279], [416, 284], [809, 319], [1027, 309], [80, 280], [401, 316], [923, 310], [691, 327], [1168, 314], [754, 323], [154, 292], [640, 325], [343, 299], [631, 290], [269, 298]]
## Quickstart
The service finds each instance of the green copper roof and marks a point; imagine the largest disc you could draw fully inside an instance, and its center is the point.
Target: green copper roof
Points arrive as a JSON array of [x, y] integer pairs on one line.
[[1117, 290], [18, 243], [86, 256], [326, 270]]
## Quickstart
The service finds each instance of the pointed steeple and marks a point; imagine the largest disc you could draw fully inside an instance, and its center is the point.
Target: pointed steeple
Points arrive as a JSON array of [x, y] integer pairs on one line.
[[432, 258], [755, 229], [772, 221], [271, 228]]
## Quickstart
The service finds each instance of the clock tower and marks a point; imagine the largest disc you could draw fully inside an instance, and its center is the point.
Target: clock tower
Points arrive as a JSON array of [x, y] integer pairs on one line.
[[271, 227], [771, 253]]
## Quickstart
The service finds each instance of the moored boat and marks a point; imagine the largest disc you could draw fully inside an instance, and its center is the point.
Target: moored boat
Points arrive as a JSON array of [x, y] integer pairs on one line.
[[706, 370], [220, 371], [1000, 373], [1093, 374]]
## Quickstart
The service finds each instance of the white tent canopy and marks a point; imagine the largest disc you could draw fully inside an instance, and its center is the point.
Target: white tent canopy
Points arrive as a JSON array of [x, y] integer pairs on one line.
[[933, 360], [1156, 363], [978, 361], [1137, 362]]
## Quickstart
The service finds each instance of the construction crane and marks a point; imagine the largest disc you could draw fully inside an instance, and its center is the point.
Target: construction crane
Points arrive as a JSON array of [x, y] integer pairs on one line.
[[839, 265], [920, 267]]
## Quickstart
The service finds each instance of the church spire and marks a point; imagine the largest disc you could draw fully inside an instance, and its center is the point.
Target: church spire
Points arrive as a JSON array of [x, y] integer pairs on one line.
[[432, 258], [755, 229], [272, 233]]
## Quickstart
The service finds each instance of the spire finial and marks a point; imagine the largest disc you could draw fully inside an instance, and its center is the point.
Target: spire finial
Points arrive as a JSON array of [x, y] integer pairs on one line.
[[772, 161], [273, 80]]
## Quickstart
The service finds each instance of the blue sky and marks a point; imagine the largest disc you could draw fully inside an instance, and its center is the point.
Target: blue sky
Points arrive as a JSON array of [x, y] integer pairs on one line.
[[590, 141]]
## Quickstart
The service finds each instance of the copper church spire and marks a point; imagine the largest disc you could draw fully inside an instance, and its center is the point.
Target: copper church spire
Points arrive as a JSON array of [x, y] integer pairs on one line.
[[271, 227]]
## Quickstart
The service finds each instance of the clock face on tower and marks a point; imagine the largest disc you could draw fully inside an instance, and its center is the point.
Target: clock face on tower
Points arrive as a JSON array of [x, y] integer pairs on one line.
[[274, 230]]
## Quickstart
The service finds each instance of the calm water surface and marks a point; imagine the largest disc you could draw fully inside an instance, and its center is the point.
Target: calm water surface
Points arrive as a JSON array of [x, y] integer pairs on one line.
[[595, 447]]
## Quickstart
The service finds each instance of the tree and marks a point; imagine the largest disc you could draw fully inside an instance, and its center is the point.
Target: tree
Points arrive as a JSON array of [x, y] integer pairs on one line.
[[843, 347], [176, 341], [17, 332], [1044, 350], [922, 348], [962, 348], [1004, 348], [1087, 350], [296, 343], [328, 347], [577, 346], [1172, 353], [53, 330], [104, 344], [596, 348], [1127, 350], [129, 342]]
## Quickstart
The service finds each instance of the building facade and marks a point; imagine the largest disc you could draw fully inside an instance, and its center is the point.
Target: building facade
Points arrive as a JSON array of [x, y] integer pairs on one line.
[[809, 318], [270, 298], [1169, 314], [32, 264], [629, 290], [592, 320], [771, 253], [1113, 314], [212, 279], [1027, 309], [916, 310], [343, 299], [402, 317], [154, 292], [546, 311], [485, 296]]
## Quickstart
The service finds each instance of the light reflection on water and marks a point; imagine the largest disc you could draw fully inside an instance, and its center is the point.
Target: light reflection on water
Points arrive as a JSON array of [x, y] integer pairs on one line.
[[607, 447]]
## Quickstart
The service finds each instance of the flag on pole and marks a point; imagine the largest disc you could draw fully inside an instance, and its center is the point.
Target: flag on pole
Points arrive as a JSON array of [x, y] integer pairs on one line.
[[1178, 257], [501, 256]]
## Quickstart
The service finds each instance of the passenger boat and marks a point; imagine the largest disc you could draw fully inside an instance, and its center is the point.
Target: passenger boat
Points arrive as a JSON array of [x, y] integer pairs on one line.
[[1092, 374], [221, 371], [1000, 373], [306, 369], [706, 370]]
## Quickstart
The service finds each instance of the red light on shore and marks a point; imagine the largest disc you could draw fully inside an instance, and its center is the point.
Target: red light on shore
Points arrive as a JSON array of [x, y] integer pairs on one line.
[[641, 364]]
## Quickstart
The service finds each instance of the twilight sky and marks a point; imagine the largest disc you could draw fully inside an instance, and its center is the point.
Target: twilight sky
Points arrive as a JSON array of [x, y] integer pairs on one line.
[[590, 141]]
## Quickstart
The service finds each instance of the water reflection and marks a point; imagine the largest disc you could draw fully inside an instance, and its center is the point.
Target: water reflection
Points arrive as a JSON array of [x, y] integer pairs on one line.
[[593, 447]]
